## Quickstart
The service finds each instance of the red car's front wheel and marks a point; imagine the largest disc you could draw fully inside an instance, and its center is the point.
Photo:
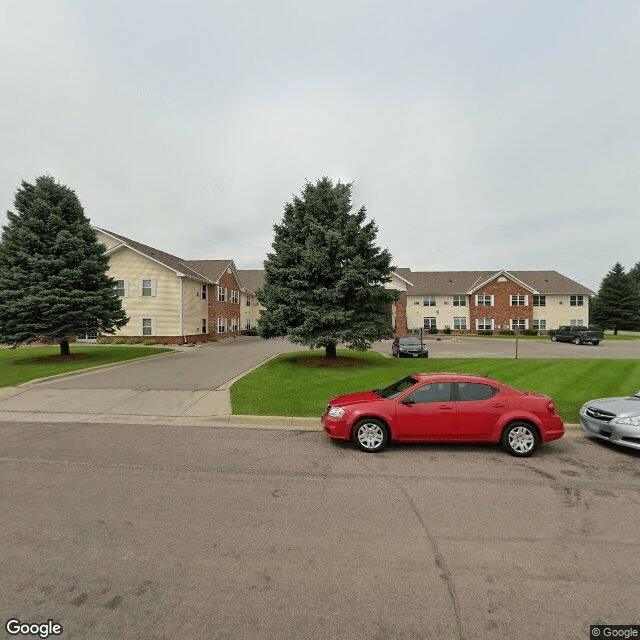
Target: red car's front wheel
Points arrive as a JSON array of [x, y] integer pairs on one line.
[[371, 435]]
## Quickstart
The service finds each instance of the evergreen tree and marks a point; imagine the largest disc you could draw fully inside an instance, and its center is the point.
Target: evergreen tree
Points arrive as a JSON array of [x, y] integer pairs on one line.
[[53, 270], [617, 305], [324, 281]]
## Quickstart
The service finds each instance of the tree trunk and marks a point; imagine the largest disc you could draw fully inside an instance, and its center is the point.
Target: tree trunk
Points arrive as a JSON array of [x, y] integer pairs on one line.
[[330, 351], [64, 347]]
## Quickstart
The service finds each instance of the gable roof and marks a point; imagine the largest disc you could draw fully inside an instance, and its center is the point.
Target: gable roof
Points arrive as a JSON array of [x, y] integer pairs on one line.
[[208, 271], [253, 279], [466, 282]]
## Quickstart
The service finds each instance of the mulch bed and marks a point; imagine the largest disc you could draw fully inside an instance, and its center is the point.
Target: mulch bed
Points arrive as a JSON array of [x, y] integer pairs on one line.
[[321, 361]]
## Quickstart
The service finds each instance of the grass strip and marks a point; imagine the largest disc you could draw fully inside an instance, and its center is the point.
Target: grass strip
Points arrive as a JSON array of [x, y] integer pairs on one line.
[[285, 388], [21, 365]]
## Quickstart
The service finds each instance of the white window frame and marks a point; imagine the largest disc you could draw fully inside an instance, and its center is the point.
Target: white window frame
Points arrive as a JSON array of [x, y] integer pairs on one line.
[[576, 322], [484, 300], [222, 325], [429, 322], [429, 300], [576, 300], [235, 297], [460, 301], [248, 301], [235, 324], [247, 324], [540, 324], [125, 289], [151, 288], [222, 294], [460, 323], [204, 292], [519, 323], [204, 325], [147, 327], [481, 324], [539, 301], [519, 300]]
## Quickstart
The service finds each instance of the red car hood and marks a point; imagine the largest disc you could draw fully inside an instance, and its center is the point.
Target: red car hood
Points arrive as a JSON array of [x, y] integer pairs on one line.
[[354, 398]]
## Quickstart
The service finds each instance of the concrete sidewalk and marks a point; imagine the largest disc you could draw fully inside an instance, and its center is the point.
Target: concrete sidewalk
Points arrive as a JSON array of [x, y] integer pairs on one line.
[[29, 403]]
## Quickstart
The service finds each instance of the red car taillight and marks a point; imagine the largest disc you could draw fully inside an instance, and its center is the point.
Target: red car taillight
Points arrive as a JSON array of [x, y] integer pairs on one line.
[[551, 408]]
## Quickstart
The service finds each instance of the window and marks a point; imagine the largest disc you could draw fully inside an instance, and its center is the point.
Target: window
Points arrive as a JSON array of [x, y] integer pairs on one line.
[[540, 325], [459, 323], [147, 327], [429, 301], [459, 301], [518, 324], [576, 301], [470, 391], [576, 323], [204, 325], [222, 325], [121, 288], [147, 288], [539, 301], [429, 322], [484, 324], [247, 324], [248, 301], [222, 294], [235, 297], [437, 392], [484, 301], [235, 323], [203, 295], [518, 301]]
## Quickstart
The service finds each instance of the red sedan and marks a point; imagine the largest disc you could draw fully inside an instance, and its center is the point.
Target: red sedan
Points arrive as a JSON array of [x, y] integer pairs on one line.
[[444, 407]]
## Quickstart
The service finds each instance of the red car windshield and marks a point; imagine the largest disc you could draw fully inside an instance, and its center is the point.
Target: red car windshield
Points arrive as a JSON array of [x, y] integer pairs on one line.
[[395, 389]]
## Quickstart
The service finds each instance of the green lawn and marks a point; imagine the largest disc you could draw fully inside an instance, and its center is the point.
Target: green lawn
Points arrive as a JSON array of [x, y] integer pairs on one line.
[[23, 364], [284, 387]]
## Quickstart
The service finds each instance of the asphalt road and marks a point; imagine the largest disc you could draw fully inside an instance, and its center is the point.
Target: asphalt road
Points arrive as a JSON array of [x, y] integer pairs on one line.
[[141, 532]]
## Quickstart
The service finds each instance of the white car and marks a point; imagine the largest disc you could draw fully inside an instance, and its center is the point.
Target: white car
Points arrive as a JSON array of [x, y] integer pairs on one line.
[[614, 419]]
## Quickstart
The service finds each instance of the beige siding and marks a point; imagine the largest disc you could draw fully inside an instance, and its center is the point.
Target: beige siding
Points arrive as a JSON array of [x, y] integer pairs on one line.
[[249, 312], [558, 311], [163, 308], [444, 312], [195, 308], [107, 240]]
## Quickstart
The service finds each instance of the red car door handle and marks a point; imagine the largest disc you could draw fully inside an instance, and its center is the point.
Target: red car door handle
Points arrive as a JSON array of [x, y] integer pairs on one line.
[[497, 404], [445, 406]]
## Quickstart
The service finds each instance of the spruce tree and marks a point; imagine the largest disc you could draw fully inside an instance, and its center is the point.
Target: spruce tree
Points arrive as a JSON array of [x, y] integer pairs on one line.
[[324, 280], [53, 270], [617, 305]]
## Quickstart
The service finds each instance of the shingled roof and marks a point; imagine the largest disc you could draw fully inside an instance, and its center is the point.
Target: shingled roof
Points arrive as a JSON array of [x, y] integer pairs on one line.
[[253, 279], [208, 271], [463, 282]]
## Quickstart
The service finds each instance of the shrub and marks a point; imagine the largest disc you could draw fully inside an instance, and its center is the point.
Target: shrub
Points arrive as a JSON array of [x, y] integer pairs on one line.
[[149, 343], [433, 330], [485, 332], [104, 341], [507, 332], [530, 332], [249, 332], [447, 331], [133, 341], [119, 341]]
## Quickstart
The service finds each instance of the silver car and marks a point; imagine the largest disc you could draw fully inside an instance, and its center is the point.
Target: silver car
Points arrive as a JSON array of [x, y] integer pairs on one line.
[[614, 419]]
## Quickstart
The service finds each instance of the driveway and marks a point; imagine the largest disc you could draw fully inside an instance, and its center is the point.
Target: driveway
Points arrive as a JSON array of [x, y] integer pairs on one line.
[[183, 387]]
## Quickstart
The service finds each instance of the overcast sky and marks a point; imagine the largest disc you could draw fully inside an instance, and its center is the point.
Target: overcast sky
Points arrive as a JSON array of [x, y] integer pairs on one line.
[[479, 135]]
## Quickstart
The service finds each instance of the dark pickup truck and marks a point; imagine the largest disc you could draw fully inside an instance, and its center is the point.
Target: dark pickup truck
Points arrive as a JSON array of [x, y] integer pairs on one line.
[[577, 334]]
